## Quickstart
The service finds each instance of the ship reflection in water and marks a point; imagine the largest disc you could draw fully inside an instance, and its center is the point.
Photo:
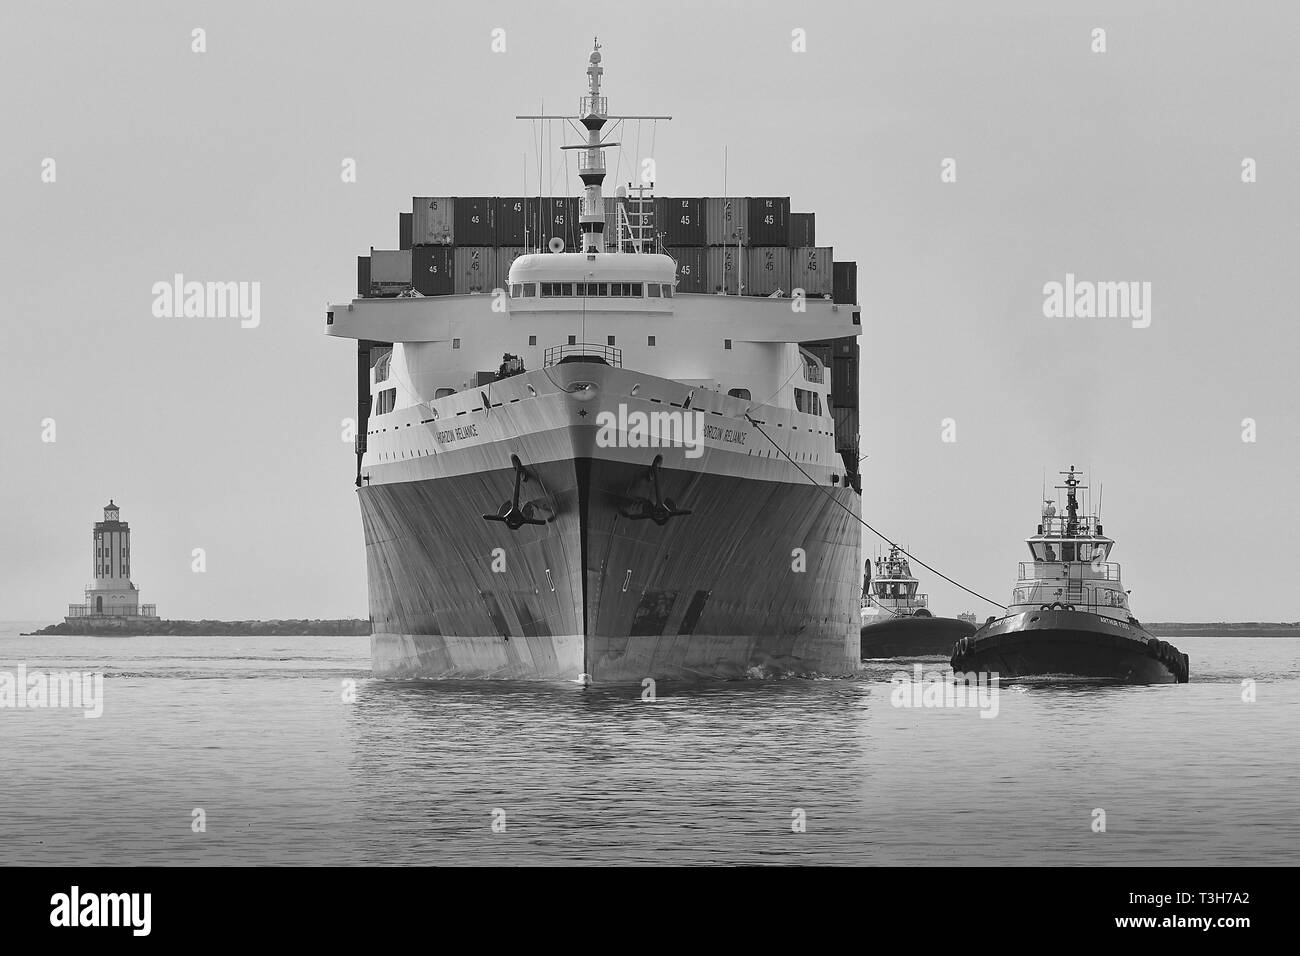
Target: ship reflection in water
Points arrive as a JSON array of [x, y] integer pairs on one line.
[[256, 732]]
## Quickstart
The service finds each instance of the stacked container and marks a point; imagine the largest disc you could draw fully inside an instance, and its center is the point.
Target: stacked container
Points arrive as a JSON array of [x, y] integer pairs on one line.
[[726, 221], [803, 230], [473, 221], [844, 374], [390, 271], [475, 270], [363, 276], [769, 221], [612, 205], [681, 222], [506, 256], [692, 268], [433, 220], [510, 217], [723, 269], [845, 287], [431, 270], [767, 269], [556, 217], [812, 269]]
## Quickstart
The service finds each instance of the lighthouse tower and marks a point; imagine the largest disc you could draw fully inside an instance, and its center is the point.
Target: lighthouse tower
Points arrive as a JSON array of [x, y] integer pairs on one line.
[[112, 594]]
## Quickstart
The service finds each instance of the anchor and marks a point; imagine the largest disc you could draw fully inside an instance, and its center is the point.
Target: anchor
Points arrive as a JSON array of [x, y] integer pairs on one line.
[[511, 513], [660, 509]]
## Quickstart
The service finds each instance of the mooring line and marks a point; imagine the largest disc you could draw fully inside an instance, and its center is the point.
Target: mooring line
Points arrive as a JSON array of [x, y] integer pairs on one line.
[[818, 485]]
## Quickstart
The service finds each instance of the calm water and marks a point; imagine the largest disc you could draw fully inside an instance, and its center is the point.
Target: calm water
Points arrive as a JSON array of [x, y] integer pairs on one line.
[[255, 732]]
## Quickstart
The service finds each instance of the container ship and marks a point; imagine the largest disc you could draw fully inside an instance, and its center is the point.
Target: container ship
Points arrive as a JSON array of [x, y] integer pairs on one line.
[[1069, 613], [607, 438]]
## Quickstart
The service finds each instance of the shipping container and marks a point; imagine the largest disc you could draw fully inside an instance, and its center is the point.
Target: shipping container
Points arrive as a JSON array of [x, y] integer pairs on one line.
[[767, 269], [845, 286], [811, 269], [846, 429], [612, 205], [556, 216], [844, 377], [726, 221], [475, 270], [803, 230], [680, 222], [403, 230], [431, 270], [390, 267], [363, 276], [473, 218], [506, 256], [769, 223], [692, 272], [510, 219], [433, 221], [723, 272]]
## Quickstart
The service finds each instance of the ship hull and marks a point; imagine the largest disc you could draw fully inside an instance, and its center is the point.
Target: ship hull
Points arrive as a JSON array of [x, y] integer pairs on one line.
[[1063, 643], [758, 580], [912, 636]]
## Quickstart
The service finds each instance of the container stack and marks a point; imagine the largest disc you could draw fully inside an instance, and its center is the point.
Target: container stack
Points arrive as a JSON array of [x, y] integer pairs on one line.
[[726, 246], [458, 245]]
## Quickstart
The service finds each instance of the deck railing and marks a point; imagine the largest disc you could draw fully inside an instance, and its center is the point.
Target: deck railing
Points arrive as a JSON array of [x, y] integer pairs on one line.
[[113, 610], [605, 353], [1076, 594]]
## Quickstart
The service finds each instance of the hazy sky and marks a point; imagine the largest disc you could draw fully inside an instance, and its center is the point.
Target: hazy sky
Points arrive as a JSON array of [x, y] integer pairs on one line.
[[1117, 166]]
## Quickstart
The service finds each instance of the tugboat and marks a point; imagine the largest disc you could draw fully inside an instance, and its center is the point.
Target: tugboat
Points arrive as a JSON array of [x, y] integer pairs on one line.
[[896, 621], [1069, 613]]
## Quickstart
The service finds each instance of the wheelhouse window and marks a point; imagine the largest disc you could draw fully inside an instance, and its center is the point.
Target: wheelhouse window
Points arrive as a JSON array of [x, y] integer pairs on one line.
[[385, 401], [739, 393], [444, 392], [1044, 551], [530, 290], [652, 290], [668, 291]]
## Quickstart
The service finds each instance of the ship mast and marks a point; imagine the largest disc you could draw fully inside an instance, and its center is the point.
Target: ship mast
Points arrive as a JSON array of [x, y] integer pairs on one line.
[[1071, 505], [593, 114], [592, 111]]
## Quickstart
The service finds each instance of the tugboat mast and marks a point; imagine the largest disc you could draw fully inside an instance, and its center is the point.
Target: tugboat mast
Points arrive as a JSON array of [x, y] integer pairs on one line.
[[1071, 504]]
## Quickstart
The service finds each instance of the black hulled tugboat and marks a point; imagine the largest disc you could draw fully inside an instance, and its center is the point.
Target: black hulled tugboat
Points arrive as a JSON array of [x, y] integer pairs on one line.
[[1069, 613], [896, 620]]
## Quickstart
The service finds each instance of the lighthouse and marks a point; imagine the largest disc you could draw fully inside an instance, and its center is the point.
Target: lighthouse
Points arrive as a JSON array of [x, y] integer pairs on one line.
[[111, 594]]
